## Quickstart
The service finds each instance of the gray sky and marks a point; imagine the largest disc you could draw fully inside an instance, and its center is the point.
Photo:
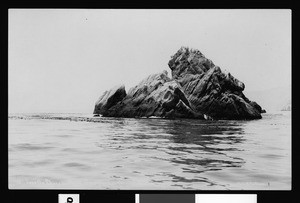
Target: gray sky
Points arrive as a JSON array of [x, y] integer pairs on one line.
[[63, 60]]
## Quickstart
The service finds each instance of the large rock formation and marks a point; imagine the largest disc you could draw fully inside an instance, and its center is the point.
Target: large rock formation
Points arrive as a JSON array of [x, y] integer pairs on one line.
[[197, 89]]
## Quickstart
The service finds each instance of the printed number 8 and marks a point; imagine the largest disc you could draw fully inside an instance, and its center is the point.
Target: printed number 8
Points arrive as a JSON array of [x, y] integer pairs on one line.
[[69, 200]]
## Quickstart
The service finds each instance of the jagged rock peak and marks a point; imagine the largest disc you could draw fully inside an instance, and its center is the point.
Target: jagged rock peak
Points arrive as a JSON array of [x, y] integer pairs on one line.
[[187, 51], [189, 61]]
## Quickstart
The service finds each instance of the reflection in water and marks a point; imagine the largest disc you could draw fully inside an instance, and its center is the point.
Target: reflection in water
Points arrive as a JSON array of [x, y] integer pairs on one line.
[[55, 151], [196, 146]]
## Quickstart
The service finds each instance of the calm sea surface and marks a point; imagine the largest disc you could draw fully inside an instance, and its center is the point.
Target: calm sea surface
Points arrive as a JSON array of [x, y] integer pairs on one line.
[[73, 152]]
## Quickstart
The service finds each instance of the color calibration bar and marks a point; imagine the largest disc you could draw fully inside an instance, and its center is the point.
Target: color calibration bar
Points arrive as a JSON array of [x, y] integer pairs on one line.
[[195, 198]]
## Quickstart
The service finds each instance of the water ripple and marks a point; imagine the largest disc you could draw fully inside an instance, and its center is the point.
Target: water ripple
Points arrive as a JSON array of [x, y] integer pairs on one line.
[[122, 153], [30, 147]]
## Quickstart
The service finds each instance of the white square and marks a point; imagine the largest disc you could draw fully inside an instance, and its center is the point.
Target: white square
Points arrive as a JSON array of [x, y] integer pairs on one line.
[[68, 198], [137, 198], [226, 198]]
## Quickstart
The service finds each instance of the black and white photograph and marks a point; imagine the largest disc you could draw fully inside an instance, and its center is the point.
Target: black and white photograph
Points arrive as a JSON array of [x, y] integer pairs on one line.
[[149, 99]]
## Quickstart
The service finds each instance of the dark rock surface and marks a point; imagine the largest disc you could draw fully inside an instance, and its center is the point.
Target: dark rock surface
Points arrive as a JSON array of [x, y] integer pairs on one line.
[[197, 89], [109, 99], [157, 95]]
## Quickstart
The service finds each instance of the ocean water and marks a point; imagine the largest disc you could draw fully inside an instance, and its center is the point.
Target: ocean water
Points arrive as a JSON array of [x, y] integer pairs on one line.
[[76, 151]]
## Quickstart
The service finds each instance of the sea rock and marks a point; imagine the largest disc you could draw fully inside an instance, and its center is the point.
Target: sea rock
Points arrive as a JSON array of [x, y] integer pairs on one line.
[[198, 89], [109, 99], [209, 90], [287, 106], [258, 107], [157, 95]]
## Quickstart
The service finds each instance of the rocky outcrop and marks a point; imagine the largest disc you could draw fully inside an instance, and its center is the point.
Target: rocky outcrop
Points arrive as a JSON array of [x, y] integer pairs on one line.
[[197, 89], [109, 99], [209, 90], [156, 95], [287, 106]]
